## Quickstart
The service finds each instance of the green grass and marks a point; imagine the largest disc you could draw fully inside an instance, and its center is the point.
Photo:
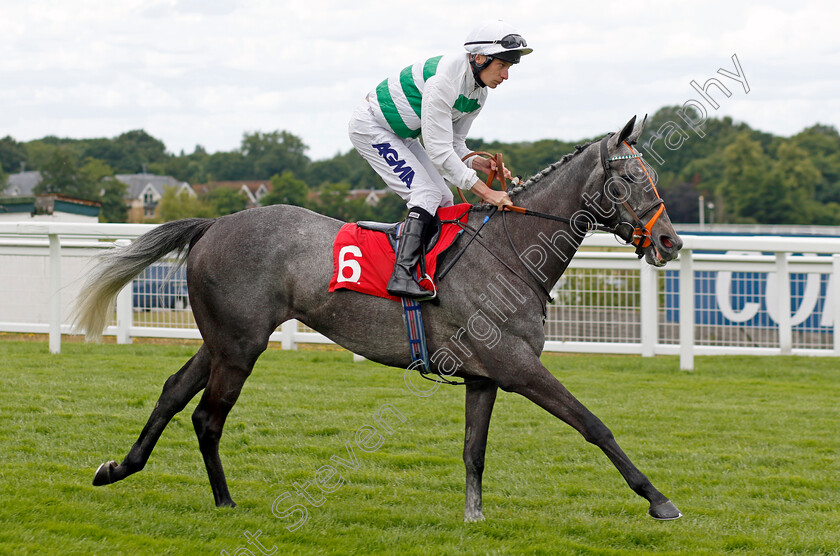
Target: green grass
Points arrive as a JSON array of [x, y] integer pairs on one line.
[[747, 447]]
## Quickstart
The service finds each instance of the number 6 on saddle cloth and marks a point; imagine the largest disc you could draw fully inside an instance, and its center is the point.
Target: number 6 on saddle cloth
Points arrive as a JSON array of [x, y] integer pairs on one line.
[[364, 252]]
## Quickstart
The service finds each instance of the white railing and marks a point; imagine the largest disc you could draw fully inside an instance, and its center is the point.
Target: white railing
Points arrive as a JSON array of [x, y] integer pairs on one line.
[[725, 295]]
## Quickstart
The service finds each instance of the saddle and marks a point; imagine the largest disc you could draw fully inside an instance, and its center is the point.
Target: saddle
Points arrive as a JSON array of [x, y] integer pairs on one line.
[[391, 230], [363, 253]]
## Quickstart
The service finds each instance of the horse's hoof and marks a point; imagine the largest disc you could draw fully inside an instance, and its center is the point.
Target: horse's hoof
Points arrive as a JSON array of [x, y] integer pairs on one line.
[[103, 474], [665, 511], [473, 517]]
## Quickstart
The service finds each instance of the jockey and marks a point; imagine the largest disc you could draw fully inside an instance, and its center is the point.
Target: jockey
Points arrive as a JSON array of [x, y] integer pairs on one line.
[[437, 99]]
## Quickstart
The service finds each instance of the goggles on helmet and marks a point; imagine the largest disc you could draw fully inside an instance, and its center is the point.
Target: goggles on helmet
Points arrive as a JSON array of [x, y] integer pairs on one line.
[[508, 41]]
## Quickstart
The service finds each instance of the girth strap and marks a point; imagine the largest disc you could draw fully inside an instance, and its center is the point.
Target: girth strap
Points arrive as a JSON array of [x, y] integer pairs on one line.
[[416, 334]]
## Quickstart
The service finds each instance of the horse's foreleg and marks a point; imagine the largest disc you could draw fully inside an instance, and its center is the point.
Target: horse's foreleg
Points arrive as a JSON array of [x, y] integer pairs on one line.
[[547, 392], [178, 390], [480, 397]]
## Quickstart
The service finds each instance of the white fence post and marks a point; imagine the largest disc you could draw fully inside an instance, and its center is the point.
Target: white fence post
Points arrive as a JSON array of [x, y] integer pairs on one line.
[[55, 293], [783, 291], [648, 278], [287, 331], [125, 314], [125, 306], [686, 310]]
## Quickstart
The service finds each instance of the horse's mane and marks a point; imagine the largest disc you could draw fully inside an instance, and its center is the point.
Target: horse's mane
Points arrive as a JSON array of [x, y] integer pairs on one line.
[[541, 174]]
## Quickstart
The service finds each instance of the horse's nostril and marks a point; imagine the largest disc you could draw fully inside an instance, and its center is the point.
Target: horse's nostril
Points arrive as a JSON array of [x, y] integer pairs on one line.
[[667, 243]]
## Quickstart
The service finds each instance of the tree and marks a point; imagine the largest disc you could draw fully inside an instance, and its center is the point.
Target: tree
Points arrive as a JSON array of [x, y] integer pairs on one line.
[[222, 200], [273, 153], [744, 187], [227, 166], [682, 202], [12, 155], [331, 170], [97, 176], [39, 153], [94, 171], [114, 208], [822, 146], [286, 190], [390, 208], [138, 148], [796, 177], [333, 201], [60, 175], [175, 206]]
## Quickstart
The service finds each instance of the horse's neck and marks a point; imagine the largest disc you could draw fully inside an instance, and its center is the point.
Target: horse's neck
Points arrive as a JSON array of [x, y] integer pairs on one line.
[[560, 192]]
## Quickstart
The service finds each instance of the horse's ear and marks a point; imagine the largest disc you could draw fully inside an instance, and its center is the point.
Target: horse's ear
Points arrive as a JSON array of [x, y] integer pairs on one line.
[[637, 132], [625, 133]]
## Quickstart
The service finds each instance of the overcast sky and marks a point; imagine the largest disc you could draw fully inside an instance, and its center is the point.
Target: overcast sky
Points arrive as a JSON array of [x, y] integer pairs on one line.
[[202, 72]]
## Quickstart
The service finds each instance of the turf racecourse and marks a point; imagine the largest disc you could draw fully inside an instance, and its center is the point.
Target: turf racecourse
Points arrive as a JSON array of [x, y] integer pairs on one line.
[[748, 448]]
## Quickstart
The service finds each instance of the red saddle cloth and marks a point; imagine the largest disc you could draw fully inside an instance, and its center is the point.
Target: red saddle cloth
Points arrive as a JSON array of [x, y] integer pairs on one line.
[[363, 260]]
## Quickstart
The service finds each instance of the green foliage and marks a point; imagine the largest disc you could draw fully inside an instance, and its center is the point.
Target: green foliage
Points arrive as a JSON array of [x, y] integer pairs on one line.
[[796, 176], [127, 153], [12, 155], [94, 171], [61, 175], [273, 153], [114, 208], [286, 190], [746, 447], [333, 201], [390, 208], [525, 159], [176, 205], [39, 152], [745, 185], [192, 168], [822, 147], [222, 200]]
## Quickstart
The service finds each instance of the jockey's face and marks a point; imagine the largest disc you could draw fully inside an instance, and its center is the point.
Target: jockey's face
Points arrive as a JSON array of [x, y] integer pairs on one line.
[[495, 73]]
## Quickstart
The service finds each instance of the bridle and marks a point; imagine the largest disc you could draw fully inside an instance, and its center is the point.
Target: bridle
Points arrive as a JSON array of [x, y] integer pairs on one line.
[[641, 235], [638, 232]]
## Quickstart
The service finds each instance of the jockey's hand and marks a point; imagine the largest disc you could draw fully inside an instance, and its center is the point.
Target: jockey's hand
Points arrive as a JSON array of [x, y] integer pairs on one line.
[[487, 165], [492, 196]]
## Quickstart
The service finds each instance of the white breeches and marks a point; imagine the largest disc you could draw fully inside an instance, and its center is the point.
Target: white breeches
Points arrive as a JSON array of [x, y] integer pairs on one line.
[[402, 163]]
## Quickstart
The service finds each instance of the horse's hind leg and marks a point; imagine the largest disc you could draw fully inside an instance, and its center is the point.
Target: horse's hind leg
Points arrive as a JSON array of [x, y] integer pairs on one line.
[[547, 392], [178, 390], [480, 397], [227, 376]]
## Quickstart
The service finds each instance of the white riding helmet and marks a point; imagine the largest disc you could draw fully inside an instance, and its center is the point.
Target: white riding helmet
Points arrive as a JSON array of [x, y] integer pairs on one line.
[[497, 39]]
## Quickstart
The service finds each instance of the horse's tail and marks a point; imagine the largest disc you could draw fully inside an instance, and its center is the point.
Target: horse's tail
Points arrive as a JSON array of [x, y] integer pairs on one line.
[[119, 265]]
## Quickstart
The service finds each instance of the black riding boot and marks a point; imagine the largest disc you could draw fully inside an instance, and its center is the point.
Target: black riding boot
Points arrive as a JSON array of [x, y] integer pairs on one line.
[[402, 282]]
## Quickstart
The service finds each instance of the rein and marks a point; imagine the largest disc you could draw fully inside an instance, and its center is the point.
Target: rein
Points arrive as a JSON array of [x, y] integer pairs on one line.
[[590, 226]]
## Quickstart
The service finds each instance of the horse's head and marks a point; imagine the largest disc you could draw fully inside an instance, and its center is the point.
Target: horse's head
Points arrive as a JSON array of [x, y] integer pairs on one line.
[[630, 202]]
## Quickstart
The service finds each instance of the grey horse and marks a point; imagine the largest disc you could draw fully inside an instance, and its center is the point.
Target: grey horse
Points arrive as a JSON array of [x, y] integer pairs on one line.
[[249, 272]]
